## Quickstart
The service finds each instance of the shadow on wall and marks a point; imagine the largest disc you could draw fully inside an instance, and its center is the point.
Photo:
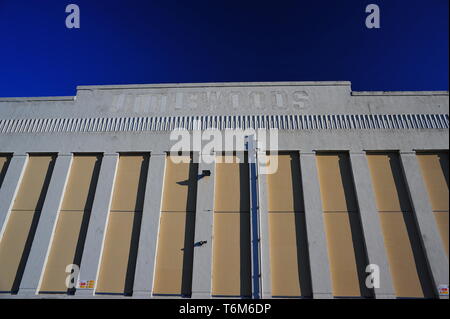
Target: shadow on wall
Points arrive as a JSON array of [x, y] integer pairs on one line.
[[304, 267], [409, 218], [33, 227], [443, 160], [189, 233], [134, 243], [86, 217], [358, 239]]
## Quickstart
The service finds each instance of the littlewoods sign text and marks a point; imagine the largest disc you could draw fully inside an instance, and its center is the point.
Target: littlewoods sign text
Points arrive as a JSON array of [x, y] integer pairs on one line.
[[211, 100]]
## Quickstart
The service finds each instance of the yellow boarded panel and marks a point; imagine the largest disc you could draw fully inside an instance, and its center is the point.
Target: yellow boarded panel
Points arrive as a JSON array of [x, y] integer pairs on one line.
[[33, 187], [442, 223], [63, 249], [231, 187], [13, 245], [284, 261], [180, 184], [80, 189], [341, 253], [173, 273], [115, 274], [336, 182], [388, 182], [400, 255], [129, 185], [285, 190], [231, 272], [435, 173], [4, 161]]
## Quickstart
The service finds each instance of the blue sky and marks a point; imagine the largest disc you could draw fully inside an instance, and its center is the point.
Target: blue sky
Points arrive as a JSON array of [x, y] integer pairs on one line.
[[132, 42]]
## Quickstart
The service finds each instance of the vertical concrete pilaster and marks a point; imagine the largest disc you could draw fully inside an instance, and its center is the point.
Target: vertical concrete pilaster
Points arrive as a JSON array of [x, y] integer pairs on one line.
[[201, 277], [320, 270], [371, 226], [433, 248], [143, 278], [97, 223], [46, 224], [10, 186]]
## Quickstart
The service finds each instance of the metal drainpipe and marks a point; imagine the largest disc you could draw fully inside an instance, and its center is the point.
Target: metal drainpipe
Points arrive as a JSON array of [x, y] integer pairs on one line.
[[254, 204]]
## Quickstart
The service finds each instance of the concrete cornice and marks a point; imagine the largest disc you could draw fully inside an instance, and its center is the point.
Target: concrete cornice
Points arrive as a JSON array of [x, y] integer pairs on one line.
[[212, 84], [399, 93], [39, 99], [223, 85]]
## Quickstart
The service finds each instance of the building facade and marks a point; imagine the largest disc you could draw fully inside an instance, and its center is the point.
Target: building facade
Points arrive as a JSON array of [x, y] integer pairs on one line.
[[131, 191]]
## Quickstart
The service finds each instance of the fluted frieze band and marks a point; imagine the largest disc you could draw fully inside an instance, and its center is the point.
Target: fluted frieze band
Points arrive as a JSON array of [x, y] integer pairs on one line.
[[281, 122]]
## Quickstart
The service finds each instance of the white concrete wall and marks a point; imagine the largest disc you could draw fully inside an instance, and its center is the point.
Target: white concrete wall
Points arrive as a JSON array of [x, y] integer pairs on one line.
[[331, 98]]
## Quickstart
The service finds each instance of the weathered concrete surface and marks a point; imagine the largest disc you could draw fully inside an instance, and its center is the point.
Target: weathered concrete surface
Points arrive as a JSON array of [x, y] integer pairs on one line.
[[271, 98]]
